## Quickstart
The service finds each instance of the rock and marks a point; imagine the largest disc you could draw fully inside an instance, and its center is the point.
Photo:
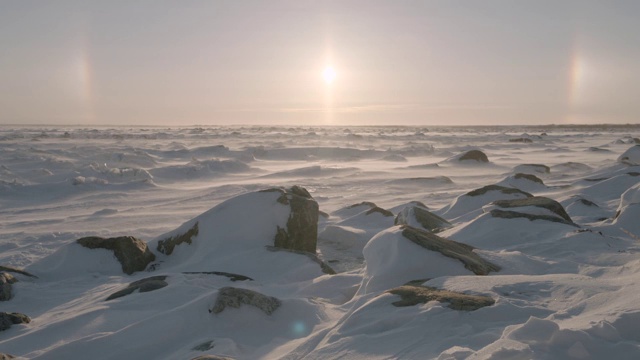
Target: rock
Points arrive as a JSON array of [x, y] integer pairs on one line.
[[132, 253], [166, 246], [207, 345], [367, 207], [231, 276], [416, 215], [522, 140], [505, 190], [235, 297], [4, 356], [413, 295], [212, 357], [301, 231], [9, 319], [449, 248], [514, 215], [6, 280], [323, 266], [529, 177], [475, 155], [379, 210], [537, 201], [143, 285], [532, 168], [17, 271]]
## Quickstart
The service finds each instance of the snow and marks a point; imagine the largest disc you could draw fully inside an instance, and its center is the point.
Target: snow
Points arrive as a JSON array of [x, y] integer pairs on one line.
[[563, 291]]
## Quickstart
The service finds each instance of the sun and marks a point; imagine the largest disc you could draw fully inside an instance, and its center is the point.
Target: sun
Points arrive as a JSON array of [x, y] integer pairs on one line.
[[328, 74]]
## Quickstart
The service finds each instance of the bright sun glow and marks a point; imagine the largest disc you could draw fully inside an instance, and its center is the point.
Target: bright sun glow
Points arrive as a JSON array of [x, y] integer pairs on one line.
[[329, 74]]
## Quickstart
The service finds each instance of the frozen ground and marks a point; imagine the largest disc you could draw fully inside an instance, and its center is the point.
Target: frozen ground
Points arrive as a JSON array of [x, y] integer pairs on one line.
[[565, 288]]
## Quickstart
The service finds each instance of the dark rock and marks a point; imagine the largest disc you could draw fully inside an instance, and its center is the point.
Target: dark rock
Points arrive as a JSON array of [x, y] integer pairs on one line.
[[166, 246], [587, 202], [537, 167], [379, 210], [475, 155], [514, 215], [235, 297], [537, 201], [9, 319], [6, 356], [364, 203], [301, 231], [502, 189], [522, 140], [596, 179], [449, 248], [6, 280], [425, 218], [207, 345], [529, 177], [323, 266], [413, 295], [17, 271], [212, 357], [231, 276], [132, 253], [142, 285]]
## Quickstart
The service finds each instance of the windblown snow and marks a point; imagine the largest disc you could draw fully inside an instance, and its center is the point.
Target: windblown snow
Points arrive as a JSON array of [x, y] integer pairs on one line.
[[431, 243]]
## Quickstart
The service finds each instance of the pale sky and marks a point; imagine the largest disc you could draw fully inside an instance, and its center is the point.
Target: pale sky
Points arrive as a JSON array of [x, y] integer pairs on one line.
[[262, 62]]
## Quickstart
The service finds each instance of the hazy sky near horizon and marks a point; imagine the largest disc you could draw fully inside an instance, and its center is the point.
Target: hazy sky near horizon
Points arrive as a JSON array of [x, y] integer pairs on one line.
[[261, 62]]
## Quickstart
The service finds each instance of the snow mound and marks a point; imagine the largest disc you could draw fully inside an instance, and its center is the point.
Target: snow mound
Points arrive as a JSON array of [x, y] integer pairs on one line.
[[392, 260], [73, 260], [474, 200], [235, 236], [474, 156], [628, 212], [631, 156], [523, 181]]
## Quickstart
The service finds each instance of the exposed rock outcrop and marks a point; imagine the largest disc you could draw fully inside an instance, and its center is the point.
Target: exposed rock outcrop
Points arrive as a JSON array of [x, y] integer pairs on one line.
[[9, 319], [532, 168], [301, 231], [514, 215], [411, 215], [453, 249], [413, 295], [17, 271], [235, 297], [537, 201], [521, 140], [142, 285], [529, 177], [379, 210], [212, 357], [231, 276], [132, 253], [475, 155], [505, 190], [166, 246], [6, 291]]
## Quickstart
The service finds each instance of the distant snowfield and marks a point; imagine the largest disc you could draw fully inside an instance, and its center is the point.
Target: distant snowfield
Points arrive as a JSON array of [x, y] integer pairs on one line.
[[569, 269]]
